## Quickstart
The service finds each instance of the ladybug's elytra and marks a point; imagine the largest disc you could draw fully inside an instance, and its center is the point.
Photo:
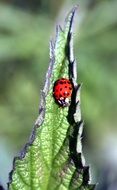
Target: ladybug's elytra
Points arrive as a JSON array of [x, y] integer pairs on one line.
[[62, 91]]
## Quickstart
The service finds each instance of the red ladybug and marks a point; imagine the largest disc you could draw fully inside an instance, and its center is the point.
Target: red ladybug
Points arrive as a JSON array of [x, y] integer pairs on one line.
[[62, 91]]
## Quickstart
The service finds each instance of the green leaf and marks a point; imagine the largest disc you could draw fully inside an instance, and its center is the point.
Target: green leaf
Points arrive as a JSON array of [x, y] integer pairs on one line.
[[52, 159]]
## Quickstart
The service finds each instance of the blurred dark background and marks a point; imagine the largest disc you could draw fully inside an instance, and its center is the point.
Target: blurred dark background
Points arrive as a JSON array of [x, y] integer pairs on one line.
[[25, 30]]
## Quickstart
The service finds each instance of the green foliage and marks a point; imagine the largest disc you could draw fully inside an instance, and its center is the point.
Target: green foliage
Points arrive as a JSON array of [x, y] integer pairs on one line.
[[97, 53], [24, 39], [24, 43], [53, 157], [21, 53]]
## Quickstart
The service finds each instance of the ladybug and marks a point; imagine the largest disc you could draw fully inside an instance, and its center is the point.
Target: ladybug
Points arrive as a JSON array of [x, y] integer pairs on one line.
[[62, 91]]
